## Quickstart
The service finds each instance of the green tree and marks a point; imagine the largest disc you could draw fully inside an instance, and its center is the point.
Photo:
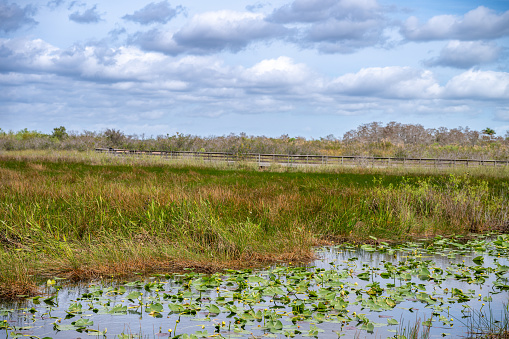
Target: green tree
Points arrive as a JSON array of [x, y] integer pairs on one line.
[[59, 133], [116, 137], [488, 131], [25, 134]]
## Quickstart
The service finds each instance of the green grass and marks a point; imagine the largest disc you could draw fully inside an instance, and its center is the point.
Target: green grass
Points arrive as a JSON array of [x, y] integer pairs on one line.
[[84, 214]]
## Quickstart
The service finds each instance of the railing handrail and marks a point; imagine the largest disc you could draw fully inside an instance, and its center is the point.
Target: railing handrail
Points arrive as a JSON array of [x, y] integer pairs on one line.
[[297, 156]]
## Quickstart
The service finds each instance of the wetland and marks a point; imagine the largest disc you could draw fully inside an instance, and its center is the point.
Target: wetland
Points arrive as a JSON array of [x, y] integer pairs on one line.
[[93, 245], [434, 288]]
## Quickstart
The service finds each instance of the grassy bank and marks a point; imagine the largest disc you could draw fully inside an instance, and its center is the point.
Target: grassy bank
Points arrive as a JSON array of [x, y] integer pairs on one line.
[[83, 215]]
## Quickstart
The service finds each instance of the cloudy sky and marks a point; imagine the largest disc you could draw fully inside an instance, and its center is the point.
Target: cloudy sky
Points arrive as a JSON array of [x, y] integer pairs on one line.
[[300, 67]]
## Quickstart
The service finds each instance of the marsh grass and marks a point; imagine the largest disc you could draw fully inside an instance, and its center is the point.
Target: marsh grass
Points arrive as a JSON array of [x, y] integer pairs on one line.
[[86, 215], [485, 324], [16, 280], [414, 330]]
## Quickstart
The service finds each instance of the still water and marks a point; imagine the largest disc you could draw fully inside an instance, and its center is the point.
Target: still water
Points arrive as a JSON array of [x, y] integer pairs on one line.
[[444, 287]]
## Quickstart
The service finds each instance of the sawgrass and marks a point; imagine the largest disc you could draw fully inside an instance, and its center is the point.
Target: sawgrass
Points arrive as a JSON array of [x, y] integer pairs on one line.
[[86, 215]]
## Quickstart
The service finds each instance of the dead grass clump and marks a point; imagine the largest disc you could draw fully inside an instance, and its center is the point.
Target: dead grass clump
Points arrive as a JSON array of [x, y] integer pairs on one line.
[[36, 166], [16, 276], [145, 266], [18, 290]]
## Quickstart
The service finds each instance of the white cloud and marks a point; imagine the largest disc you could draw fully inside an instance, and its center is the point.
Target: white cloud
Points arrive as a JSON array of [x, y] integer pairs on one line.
[[480, 23], [80, 62], [330, 26], [13, 17], [343, 36], [212, 32], [224, 28], [479, 85], [160, 12], [466, 54], [86, 17], [333, 26], [322, 10], [388, 82], [133, 82], [334, 30], [138, 70], [277, 73], [23, 54]]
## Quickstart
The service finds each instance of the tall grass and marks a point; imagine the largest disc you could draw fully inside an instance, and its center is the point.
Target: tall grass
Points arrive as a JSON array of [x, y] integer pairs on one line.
[[413, 331], [84, 215], [487, 325]]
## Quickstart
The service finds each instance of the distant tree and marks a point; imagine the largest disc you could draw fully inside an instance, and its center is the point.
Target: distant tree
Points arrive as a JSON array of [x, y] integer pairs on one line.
[[116, 137], [60, 133], [25, 134], [488, 131]]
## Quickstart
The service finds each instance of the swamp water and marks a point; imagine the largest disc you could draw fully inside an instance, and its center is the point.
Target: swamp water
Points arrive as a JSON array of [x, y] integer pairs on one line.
[[447, 287]]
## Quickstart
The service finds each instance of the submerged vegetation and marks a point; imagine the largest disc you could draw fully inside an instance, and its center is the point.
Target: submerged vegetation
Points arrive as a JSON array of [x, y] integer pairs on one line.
[[80, 215]]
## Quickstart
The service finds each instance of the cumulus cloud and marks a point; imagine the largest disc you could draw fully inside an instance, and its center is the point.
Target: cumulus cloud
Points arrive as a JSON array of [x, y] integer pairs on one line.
[[388, 82], [94, 63], [480, 23], [321, 10], [479, 85], [132, 69], [333, 30], [343, 36], [86, 17], [280, 74], [129, 79], [465, 54], [13, 17], [160, 12], [331, 26], [21, 55], [334, 26], [211, 32]]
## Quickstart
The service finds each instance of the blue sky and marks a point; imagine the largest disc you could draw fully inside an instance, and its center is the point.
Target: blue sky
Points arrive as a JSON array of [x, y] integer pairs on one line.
[[306, 68]]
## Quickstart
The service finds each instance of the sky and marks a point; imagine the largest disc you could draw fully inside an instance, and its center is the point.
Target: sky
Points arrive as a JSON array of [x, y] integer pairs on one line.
[[307, 68]]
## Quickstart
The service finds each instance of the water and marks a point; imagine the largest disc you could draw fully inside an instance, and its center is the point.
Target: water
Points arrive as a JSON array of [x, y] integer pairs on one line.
[[411, 310], [349, 291]]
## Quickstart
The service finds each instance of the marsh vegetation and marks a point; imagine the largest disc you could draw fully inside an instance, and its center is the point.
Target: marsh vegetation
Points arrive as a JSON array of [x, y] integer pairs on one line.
[[80, 216]]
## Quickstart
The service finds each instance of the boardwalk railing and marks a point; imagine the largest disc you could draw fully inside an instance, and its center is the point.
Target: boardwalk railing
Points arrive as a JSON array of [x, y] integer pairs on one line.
[[296, 160]]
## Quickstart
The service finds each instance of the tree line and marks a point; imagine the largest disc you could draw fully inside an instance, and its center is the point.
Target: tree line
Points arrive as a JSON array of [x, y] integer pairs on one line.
[[372, 139]]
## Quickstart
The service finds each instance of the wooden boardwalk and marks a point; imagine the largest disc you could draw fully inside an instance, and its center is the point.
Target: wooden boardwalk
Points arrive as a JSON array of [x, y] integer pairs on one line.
[[264, 160]]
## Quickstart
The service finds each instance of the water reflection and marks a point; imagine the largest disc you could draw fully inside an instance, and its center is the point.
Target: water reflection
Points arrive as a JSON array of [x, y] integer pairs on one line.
[[364, 279]]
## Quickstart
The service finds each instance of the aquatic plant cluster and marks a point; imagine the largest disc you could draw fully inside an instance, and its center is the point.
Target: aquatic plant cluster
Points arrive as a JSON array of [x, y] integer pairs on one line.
[[355, 289]]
